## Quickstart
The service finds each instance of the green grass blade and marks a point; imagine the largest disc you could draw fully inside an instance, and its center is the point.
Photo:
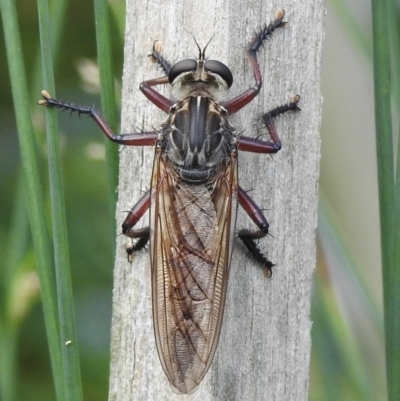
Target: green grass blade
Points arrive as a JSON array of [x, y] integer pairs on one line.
[[384, 143], [33, 186], [394, 389], [8, 362], [394, 273], [104, 56], [394, 33], [68, 336], [13, 248], [383, 116], [57, 21]]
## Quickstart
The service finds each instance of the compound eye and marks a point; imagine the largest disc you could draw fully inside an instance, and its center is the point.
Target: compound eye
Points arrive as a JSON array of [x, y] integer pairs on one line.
[[220, 69], [181, 67]]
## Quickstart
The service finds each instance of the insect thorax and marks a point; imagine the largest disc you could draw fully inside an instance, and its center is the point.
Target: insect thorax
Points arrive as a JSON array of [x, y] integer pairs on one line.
[[197, 137]]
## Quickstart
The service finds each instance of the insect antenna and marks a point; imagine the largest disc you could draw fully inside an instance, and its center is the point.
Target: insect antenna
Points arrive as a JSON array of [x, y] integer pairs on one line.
[[202, 53]]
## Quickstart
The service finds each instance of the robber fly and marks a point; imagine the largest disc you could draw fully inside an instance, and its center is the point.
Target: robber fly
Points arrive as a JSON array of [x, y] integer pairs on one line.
[[193, 201]]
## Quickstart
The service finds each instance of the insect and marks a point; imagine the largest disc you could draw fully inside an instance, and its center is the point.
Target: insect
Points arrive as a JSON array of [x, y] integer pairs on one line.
[[193, 202]]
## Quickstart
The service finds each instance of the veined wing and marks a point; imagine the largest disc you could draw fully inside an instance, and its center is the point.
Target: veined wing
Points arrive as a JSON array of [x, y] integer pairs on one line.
[[191, 246]]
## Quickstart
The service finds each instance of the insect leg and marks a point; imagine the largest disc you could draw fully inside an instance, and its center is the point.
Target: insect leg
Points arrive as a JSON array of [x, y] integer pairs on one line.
[[135, 139], [249, 237], [155, 97], [274, 145], [232, 106], [142, 234], [156, 57]]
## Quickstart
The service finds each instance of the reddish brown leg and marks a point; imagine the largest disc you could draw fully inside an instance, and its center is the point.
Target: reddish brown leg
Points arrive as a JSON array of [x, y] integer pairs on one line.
[[249, 237], [142, 234], [155, 97], [259, 146], [274, 145], [135, 139], [146, 86], [232, 106]]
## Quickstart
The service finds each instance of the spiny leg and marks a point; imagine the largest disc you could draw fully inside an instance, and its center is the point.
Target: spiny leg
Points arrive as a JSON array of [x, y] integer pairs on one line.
[[270, 116], [142, 234], [273, 145], [134, 139], [249, 237], [158, 58], [146, 87], [232, 106]]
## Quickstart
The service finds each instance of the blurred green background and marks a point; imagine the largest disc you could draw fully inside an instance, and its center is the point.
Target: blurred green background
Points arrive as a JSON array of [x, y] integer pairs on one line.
[[348, 354]]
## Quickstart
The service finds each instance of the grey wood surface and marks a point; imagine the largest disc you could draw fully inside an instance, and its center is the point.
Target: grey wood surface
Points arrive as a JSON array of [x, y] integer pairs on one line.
[[264, 347]]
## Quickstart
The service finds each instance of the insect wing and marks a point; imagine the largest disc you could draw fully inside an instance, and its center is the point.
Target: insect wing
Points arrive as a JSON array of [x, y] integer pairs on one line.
[[191, 246]]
